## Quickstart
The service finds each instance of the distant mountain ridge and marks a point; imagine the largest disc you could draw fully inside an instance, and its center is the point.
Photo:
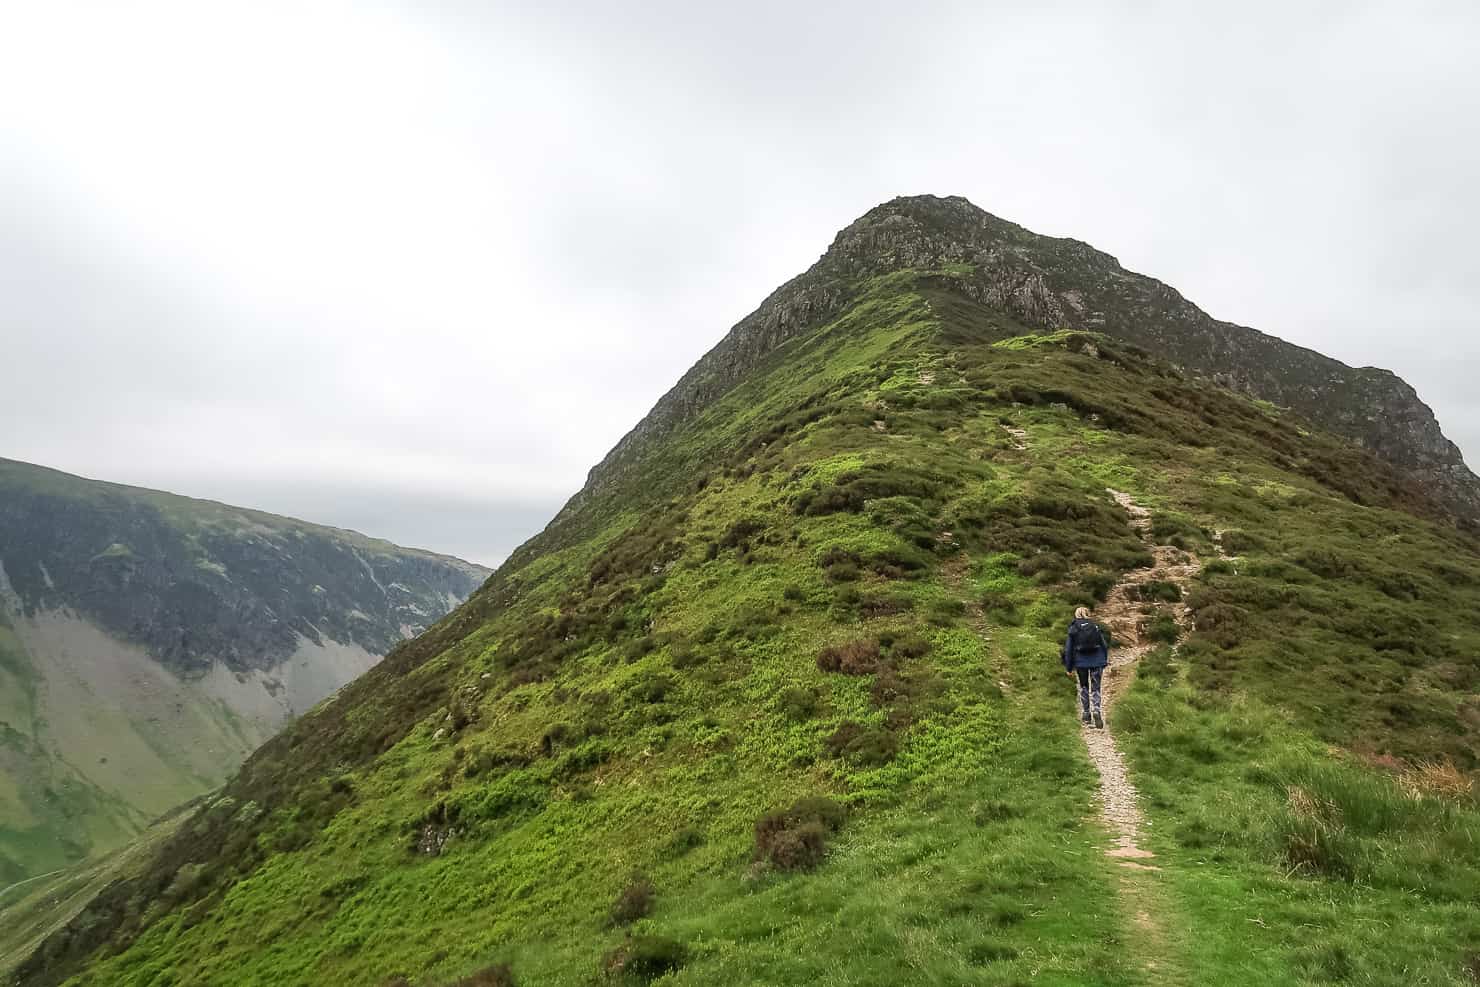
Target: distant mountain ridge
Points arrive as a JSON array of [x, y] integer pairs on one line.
[[1052, 283], [149, 642]]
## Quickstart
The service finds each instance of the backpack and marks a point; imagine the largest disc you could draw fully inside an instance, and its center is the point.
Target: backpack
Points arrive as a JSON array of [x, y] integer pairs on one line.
[[1088, 638]]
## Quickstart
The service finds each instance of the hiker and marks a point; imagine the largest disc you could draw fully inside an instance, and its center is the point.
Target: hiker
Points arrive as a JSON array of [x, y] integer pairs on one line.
[[1087, 652]]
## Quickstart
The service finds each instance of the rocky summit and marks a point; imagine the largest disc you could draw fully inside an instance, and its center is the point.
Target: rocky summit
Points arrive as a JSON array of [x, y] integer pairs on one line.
[[1048, 283], [149, 642], [778, 697]]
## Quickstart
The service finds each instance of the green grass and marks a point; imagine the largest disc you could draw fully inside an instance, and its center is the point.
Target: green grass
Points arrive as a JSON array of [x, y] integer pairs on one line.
[[1293, 865], [845, 581], [32, 910]]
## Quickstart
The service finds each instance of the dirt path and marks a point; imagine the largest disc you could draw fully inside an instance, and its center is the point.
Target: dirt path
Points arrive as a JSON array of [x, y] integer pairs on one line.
[[29, 880], [1128, 617]]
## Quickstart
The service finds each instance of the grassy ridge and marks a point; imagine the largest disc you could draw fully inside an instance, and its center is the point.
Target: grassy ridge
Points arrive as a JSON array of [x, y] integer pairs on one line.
[[841, 587]]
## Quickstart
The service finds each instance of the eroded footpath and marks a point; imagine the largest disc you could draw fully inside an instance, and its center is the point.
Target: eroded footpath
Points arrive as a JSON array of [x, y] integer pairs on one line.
[[1127, 614]]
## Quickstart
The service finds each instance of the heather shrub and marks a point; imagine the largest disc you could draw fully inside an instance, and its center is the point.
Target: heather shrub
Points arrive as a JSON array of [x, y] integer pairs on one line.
[[909, 647], [869, 746], [1097, 584], [1159, 590], [858, 657], [634, 902], [499, 975], [945, 612], [1164, 630], [643, 958], [796, 838], [797, 704]]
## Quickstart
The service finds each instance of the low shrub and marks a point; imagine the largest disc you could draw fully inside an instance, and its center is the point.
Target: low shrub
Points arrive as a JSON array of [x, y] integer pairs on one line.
[[868, 746], [651, 688], [1097, 584], [900, 562], [555, 737], [634, 902], [854, 489], [1164, 630], [888, 687], [797, 704], [843, 572], [1238, 542], [1044, 567], [884, 605], [686, 656], [686, 839], [740, 532], [644, 958], [909, 647], [945, 612], [641, 646], [859, 657], [796, 838], [499, 975], [1160, 590]]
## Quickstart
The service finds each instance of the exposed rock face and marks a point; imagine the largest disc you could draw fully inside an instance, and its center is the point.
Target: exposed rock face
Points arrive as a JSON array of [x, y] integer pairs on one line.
[[1046, 283], [149, 643]]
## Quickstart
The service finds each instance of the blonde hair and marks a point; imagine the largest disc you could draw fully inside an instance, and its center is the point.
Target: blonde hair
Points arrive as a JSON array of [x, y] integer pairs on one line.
[[1082, 613]]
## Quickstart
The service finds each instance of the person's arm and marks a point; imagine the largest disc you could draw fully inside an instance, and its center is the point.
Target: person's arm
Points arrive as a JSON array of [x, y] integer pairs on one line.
[[1068, 650]]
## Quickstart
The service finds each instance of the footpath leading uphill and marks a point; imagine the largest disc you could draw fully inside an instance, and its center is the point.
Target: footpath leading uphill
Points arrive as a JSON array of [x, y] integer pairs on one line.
[[1129, 612]]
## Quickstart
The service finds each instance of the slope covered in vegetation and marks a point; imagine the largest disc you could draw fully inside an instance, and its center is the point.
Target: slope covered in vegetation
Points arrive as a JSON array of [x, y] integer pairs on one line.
[[783, 706], [149, 642]]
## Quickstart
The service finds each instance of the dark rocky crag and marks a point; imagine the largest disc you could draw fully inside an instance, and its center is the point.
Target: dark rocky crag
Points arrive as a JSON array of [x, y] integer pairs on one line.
[[1050, 283]]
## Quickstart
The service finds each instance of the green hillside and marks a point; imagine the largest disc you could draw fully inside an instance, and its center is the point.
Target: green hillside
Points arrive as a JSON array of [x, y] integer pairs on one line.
[[781, 704], [150, 642]]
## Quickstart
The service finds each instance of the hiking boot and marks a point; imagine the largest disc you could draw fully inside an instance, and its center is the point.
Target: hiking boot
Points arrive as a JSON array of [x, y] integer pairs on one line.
[[1084, 717], [1099, 720]]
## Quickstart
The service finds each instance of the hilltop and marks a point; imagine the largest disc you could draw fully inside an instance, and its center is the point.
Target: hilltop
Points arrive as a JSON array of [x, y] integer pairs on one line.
[[149, 642], [1050, 283], [776, 697]]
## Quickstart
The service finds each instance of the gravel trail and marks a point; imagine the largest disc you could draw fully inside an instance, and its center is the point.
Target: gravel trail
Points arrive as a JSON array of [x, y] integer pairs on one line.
[[1128, 618]]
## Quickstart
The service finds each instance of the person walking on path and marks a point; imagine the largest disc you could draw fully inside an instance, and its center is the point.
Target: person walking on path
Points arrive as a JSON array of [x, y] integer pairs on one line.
[[1086, 653]]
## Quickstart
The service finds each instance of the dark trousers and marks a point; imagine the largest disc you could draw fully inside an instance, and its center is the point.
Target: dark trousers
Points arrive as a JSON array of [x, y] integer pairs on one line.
[[1089, 688]]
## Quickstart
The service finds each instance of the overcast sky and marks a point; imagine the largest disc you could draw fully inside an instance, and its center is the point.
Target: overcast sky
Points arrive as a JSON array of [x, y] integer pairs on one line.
[[413, 269]]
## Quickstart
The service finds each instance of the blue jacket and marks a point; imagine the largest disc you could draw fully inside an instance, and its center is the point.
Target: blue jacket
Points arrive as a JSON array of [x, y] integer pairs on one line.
[[1093, 659]]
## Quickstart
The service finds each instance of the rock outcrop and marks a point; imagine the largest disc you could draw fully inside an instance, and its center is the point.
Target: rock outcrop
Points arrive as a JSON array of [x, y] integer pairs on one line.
[[1045, 283]]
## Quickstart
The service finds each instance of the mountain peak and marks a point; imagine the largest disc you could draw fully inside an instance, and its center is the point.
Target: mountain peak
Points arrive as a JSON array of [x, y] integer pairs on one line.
[[1044, 282]]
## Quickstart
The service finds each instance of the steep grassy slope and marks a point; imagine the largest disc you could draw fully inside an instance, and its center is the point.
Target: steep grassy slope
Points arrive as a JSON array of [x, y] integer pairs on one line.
[[149, 642], [783, 707], [32, 909]]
